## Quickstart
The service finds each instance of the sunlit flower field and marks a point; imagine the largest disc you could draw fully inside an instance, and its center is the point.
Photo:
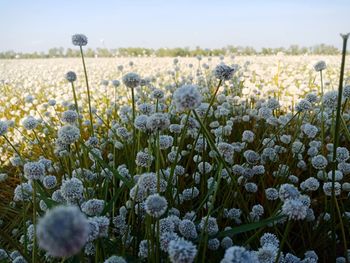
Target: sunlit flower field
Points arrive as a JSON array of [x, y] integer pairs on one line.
[[207, 159]]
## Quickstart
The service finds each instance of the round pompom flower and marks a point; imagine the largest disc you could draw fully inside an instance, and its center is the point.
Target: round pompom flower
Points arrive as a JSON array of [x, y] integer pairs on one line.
[[158, 122], [310, 184], [23, 192], [294, 209], [63, 231], [330, 99], [69, 116], [72, 189], [68, 134], [131, 80], [187, 97], [238, 254], [181, 251], [156, 205], [93, 207], [30, 123], [346, 92], [327, 188], [188, 229], [267, 253], [34, 170], [3, 127], [303, 105], [49, 181], [269, 239], [321, 65], [224, 72], [115, 259], [79, 40], [71, 76], [165, 239], [116, 83], [209, 225], [342, 154], [319, 162]]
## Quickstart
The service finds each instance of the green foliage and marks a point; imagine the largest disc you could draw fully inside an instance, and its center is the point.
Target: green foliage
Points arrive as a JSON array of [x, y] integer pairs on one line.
[[321, 49]]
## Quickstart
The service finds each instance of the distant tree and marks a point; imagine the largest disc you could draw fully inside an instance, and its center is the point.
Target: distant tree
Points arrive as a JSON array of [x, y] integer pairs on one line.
[[321, 49], [325, 49], [103, 52], [90, 53]]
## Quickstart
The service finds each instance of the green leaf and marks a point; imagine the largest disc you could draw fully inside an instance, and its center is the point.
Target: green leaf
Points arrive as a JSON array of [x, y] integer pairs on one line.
[[249, 227], [109, 204], [346, 130]]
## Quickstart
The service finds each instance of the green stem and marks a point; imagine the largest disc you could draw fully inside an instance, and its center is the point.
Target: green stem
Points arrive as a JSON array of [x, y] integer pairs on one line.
[[34, 222], [76, 106], [335, 146], [133, 123], [286, 231], [88, 91], [158, 162], [322, 117]]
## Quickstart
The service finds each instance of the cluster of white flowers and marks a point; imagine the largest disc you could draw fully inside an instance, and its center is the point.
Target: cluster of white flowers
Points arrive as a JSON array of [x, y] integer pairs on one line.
[[165, 170]]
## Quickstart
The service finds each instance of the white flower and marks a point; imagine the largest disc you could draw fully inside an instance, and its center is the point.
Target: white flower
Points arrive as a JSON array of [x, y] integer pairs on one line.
[[79, 40], [319, 66], [224, 72], [187, 97], [156, 205]]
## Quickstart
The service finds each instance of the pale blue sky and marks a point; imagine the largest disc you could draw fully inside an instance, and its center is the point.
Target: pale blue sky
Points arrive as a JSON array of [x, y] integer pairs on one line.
[[28, 25]]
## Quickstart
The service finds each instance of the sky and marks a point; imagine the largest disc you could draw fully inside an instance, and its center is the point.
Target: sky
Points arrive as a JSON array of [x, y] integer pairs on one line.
[[37, 25]]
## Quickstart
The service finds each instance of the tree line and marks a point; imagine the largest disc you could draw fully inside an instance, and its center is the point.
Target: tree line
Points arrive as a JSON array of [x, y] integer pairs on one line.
[[60, 52]]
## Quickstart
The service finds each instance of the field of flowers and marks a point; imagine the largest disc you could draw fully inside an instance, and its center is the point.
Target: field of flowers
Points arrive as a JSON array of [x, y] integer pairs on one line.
[[207, 159]]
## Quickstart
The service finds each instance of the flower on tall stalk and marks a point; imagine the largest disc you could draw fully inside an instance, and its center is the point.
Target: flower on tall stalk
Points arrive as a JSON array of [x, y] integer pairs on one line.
[[319, 66], [3, 127], [79, 40], [131, 80], [181, 250], [71, 76], [187, 97], [224, 72]]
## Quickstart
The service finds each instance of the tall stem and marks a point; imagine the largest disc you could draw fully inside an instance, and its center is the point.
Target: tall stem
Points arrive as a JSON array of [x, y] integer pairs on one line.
[[76, 106], [14, 148], [286, 231], [88, 91], [133, 121], [322, 117], [335, 146], [34, 222]]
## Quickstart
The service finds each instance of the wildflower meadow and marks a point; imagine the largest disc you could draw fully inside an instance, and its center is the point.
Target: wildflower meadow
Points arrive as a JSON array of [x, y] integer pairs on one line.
[[193, 159]]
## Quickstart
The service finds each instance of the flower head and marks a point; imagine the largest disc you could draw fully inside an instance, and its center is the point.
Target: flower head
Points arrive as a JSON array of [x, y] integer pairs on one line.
[[63, 231], [238, 254], [187, 97], [319, 66], [71, 76], [34, 170], [294, 209], [30, 123], [224, 72], [79, 40], [181, 251], [156, 205], [115, 259], [3, 127], [68, 134], [131, 80]]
